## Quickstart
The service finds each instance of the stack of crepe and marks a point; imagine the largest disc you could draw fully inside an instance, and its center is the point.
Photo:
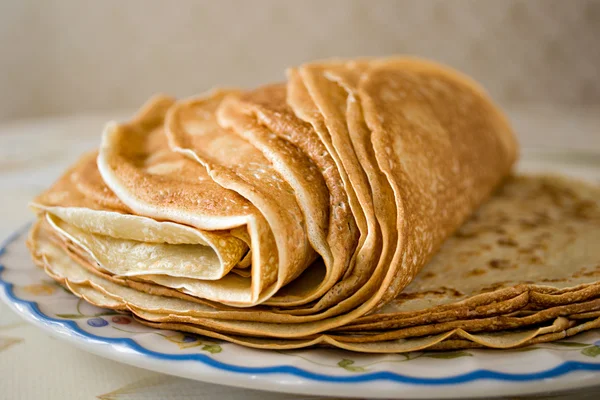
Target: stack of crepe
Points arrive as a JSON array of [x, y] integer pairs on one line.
[[364, 204]]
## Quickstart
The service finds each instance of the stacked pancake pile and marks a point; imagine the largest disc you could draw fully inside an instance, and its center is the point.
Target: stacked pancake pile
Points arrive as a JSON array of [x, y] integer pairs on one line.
[[349, 206]]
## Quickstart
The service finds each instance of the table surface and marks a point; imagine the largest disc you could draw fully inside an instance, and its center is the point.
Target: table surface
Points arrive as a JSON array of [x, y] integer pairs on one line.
[[33, 153]]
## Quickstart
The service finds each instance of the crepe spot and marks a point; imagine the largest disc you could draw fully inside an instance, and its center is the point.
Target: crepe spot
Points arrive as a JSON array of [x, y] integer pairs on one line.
[[584, 209], [465, 235], [442, 291], [428, 275], [587, 273], [499, 263], [496, 286], [535, 260], [507, 242], [529, 223], [476, 272]]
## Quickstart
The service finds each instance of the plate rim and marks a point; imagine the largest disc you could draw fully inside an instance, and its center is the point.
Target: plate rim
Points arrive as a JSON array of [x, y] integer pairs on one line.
[[29, 310]]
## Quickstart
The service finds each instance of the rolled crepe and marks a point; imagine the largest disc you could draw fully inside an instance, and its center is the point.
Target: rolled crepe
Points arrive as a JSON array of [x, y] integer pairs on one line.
[[527, 293], [301, 208]]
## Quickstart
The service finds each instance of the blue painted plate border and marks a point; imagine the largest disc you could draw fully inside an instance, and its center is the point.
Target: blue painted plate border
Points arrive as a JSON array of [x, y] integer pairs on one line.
[[480, 374]]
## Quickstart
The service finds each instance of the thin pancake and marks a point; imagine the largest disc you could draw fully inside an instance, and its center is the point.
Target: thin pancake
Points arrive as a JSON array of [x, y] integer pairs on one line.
[[322, 104], [135, 159], [279, 141], [537, 234], [80, 285], [268, 105], [215, 252], [427, 212]]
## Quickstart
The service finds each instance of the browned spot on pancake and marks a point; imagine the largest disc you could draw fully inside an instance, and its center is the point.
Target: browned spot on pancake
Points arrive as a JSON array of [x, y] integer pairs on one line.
[[476, 272], [499, 263], [586, 209], [553, 280], [559, 196], [569, 229], [535, 260], [495, 286], [584, 272], [528, 224], [502, 218], [542, 215], [508, 242], [442, 291], [465, 235], [541, 236], [428, 275]]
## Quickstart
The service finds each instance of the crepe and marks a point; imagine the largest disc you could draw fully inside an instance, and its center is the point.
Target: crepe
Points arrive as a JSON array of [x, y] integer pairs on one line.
[[93, 289], [269, 108], [109, 233], [328, 210], [536, 236], [569, 208]]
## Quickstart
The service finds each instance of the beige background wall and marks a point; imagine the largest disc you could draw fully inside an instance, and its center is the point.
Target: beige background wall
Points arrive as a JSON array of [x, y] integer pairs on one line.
[[74, 56]]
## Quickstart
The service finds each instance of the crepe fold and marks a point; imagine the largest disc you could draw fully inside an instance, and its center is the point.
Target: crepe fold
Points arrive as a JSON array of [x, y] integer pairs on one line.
[[327, 210]]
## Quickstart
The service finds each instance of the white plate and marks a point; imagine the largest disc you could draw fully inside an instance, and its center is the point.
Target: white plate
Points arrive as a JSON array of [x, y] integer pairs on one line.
[[474, 373]]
